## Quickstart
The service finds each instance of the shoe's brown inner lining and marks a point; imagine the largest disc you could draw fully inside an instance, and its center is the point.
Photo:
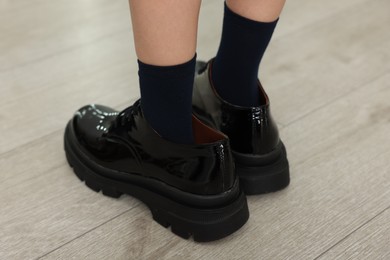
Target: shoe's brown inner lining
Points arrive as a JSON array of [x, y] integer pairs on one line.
[[204, 134]]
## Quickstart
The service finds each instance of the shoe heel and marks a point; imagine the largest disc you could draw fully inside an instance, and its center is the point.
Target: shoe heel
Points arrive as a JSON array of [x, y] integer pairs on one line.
[[260, 180], [203, 225], [263, 174]]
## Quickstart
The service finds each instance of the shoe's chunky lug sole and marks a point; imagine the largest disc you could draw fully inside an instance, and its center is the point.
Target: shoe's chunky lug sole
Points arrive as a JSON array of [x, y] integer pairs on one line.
[[260, 174], [204, 223]]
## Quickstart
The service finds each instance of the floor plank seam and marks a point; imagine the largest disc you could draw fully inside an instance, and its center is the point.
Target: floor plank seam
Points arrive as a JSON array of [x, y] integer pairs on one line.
[[87, 232], [377, 77], [63, 51], [322, 20], [352, 232], [35, 4], [48, 171], [5, 153]]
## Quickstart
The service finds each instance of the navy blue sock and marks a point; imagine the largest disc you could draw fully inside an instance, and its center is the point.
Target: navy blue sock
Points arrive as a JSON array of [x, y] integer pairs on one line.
[[166, 94], [236, 65]]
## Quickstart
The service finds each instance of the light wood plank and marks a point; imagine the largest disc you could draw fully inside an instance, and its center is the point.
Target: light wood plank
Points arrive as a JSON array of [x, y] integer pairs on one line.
[[15, 6], [369, 242], [63, 90], [44, 205], [48, 28], [31, 160], [58, 62], [296, 16], [310, 68]]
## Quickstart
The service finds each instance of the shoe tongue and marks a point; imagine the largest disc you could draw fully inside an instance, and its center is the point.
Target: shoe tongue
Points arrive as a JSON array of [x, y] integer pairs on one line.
[[204, 134]]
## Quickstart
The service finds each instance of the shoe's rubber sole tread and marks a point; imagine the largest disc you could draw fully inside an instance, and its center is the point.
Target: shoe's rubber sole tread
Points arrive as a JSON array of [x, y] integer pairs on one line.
[[203, 224]]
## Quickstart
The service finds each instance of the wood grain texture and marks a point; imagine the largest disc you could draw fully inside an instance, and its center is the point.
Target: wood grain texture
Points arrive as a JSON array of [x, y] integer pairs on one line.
[[369, 242], [326, 72], [43, 204], [326, 60], [69, 59]]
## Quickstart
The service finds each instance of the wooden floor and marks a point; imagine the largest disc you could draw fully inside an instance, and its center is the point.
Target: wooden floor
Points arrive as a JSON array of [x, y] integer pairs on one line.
[[327, 72]]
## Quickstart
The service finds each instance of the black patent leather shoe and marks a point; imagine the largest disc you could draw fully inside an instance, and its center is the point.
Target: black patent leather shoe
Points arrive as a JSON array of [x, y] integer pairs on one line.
[[260, 156], [192, 188]]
